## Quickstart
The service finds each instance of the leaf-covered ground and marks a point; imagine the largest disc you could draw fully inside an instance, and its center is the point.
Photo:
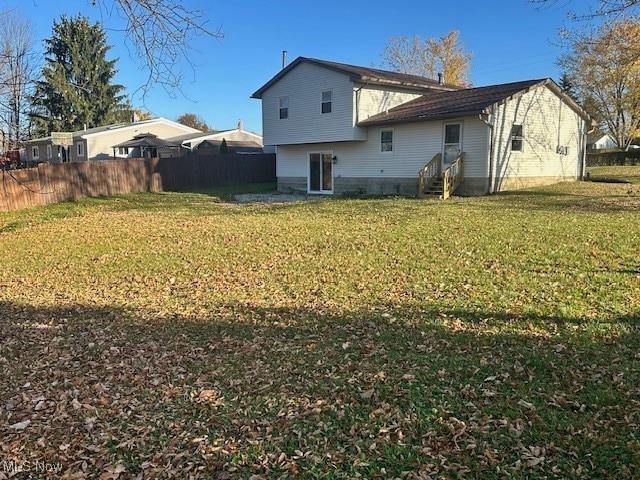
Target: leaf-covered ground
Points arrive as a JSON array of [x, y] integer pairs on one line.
[[173, 335]]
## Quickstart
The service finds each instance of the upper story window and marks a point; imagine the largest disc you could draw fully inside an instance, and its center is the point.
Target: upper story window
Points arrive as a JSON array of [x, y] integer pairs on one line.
[[386, 140], [80, 149], [35, 152], [326, 101], [517, 138], [284, 107]]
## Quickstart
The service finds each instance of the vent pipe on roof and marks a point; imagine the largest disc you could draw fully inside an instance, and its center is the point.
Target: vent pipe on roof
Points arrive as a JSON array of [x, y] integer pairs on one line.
[[440, 79], [284, 58]]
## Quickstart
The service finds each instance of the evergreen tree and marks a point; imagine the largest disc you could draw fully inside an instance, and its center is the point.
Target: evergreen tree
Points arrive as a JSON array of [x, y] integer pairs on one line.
[[76, 89], [567, 86], [224, 149]]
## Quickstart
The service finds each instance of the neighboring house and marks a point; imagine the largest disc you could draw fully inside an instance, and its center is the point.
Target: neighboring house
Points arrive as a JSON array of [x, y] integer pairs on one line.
[[341, 128], [600, 141], [208, 143], [97, 143]]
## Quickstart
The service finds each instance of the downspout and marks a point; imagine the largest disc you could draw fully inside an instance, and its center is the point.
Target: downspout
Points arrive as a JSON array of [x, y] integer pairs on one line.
[[584, 149], [490, 125]]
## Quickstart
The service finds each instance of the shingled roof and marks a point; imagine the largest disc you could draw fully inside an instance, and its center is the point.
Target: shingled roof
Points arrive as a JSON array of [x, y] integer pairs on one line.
[[147, 140], [363, 75], [459, 103]]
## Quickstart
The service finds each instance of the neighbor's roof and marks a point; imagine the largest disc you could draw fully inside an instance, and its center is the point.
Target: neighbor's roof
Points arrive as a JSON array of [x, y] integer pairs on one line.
[[191, 136], [235, 144], [460, 103], [147, 140], [117, 126], [361, 74]]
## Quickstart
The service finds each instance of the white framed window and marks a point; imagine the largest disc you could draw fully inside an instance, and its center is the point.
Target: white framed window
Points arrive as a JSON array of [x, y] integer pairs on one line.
[[80, 149], [386, 141], [517, 138], [49, 151], [326, 101], [123, 150], [35, 153], [284, 108]]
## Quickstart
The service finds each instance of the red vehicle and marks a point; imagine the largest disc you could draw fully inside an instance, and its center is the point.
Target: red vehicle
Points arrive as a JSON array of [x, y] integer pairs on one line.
[[10, 160]]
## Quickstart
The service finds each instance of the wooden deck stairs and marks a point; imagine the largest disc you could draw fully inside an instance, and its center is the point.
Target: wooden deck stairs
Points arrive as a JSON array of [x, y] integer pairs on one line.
[[434, 183]]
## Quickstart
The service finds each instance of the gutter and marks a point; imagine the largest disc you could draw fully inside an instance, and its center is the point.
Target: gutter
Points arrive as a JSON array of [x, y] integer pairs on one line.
[[491, 166]]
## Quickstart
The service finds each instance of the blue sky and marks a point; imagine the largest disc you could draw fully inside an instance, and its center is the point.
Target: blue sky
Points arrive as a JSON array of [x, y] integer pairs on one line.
[[510, 41]]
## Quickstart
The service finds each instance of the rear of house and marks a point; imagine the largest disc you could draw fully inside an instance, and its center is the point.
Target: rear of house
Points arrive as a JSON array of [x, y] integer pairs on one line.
[[346, 129]]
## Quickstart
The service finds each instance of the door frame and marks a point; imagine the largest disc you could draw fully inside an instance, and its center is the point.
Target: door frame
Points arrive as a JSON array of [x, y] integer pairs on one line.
[[444, 136], [308, 160]]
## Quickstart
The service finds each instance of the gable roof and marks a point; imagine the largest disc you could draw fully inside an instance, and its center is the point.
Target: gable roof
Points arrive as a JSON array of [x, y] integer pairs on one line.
[[362, 74], [214, 135], [465, 102]]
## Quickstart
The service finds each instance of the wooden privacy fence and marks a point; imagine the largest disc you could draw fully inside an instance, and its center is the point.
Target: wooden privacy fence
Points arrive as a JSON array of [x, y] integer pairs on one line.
[[602, 158], [57, 182]]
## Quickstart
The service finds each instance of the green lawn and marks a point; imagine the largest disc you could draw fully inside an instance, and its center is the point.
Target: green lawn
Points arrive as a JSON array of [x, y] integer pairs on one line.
[[176, 335], [627, 173]]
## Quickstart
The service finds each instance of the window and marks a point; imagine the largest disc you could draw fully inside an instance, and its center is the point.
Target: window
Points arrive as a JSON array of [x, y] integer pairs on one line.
[[386, 140], [284, 107], [326, 101], [80, 149], [517, 139], [49, 151], [35, 152], [123, 150]]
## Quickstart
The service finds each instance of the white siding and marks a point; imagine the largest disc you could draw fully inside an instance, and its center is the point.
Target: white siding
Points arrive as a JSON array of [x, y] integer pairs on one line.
[[100, 144], [548, 123], [372, 101], [413, 146], [306, 123]]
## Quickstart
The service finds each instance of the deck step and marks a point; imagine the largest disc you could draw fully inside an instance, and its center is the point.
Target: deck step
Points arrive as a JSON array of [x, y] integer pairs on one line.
[[435, 188]]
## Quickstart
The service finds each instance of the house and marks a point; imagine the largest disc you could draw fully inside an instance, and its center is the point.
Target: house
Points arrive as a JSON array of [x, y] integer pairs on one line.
[[600, 141], [342, 128], [208, 143], [97, 143]]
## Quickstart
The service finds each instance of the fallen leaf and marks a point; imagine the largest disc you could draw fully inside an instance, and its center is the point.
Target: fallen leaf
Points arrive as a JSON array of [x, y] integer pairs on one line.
[[367, 394], [20, 425], [525, 404]]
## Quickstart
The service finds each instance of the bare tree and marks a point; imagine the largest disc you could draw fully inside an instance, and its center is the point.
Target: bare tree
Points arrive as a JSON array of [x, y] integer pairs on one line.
[[161, 34], [18, 65], [594, 8], [604, 67], [428, 57]]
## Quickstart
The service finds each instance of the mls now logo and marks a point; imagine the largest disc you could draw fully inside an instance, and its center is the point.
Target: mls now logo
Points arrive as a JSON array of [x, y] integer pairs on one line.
[[13, 467]]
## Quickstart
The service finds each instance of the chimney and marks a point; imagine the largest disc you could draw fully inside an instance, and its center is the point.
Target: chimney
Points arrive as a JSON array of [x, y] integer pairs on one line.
[[284, 58], [440, 79], [240, 125]]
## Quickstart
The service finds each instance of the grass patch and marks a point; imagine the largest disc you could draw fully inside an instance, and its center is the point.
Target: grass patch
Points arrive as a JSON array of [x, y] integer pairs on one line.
[[615, 174], [175, 334]]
